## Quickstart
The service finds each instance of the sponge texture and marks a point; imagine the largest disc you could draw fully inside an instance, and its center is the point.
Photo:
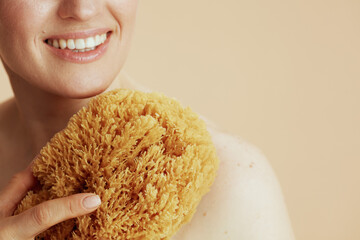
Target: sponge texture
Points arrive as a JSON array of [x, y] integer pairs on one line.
[[149, 159]]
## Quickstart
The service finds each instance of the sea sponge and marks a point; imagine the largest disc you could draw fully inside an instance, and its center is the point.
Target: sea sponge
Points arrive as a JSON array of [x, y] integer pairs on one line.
[[149, 159]]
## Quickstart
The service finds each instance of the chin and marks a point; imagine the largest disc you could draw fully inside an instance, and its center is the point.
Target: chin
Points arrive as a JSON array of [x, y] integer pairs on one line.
[[86, 87], [88, 93]]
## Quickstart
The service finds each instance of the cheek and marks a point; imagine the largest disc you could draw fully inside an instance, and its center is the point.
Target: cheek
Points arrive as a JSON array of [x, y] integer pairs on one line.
[[126, 16], [20, 29], [16, 19], [124, 12], [20, 22]]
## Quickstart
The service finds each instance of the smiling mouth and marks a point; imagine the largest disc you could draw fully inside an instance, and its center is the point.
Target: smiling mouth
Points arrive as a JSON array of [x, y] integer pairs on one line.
[[79, 44]]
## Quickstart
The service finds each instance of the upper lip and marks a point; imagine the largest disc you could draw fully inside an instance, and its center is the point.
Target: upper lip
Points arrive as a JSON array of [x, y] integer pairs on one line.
[[80, 34]]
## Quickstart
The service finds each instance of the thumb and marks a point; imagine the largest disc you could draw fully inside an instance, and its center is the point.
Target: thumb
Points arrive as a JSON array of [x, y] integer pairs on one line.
[[35, 220]]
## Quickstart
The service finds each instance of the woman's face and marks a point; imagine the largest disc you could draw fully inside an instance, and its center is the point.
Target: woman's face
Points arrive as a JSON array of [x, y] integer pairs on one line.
[[71, 48]]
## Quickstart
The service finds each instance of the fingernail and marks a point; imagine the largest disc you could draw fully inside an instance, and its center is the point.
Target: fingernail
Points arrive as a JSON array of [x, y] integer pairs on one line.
[[91, 201]]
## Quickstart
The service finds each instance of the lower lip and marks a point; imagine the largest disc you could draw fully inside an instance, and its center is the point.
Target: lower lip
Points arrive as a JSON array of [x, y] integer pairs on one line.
[[81, 57]]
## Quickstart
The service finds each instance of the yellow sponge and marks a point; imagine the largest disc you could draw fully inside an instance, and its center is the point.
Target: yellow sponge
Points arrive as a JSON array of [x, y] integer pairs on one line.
[[149, 159]]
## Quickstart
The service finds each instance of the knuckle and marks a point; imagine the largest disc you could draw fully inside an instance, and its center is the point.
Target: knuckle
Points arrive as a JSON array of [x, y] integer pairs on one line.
[[41, 215], [16, 177], [71, 208]]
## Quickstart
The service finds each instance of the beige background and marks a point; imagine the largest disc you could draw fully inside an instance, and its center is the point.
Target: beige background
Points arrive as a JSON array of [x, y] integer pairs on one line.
[[283, 75]]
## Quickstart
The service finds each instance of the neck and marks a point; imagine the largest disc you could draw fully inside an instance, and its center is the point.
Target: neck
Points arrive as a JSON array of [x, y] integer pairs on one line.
[[42, 114]]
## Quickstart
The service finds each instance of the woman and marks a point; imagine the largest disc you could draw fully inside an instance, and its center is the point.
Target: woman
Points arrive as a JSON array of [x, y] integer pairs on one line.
[[59, 54]]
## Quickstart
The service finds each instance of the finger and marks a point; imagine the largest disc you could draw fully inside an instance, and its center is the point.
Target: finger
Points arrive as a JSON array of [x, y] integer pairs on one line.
[[15, 191], [39, 218]]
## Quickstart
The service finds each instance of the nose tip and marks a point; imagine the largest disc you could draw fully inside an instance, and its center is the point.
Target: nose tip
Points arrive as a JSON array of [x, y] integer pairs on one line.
[[80, 10]]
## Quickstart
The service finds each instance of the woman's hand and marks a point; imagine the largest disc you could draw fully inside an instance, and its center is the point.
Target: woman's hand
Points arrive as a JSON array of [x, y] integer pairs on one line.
[[35, 220]]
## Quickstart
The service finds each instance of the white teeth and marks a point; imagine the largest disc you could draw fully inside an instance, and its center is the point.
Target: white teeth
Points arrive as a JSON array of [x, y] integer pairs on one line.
[[90, 42], [87, 44], [79, 44], [83, 50], [103, 37], [62, 43], [70, 44], [97, 40], [56, 43]]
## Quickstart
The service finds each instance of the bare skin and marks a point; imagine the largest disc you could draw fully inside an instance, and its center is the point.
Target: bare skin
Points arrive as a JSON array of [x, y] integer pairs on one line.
[[22, 140], [245, 201]]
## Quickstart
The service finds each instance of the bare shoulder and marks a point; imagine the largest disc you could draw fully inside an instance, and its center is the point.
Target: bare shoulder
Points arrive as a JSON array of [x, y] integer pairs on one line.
[[245, 201]]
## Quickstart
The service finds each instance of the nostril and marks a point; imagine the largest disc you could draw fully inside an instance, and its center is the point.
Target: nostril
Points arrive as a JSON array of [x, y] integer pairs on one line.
[[80, 10]]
